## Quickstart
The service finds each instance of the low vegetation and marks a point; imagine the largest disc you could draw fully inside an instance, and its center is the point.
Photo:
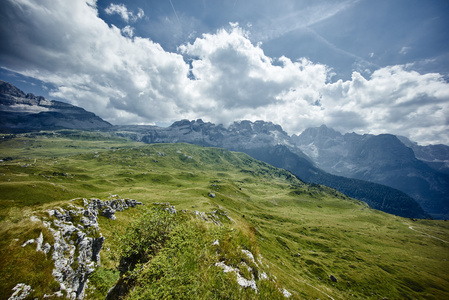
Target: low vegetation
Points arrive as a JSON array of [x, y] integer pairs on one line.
[[235, 218]]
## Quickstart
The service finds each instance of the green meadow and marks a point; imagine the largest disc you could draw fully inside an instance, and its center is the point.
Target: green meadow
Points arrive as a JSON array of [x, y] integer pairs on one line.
[[299, 234]]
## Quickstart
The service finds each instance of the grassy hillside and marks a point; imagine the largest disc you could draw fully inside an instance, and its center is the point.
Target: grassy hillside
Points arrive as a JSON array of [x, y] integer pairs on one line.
[[299, 234]]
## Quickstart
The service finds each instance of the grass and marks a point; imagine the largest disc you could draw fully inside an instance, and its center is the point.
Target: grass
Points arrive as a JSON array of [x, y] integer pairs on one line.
[[303, 233]]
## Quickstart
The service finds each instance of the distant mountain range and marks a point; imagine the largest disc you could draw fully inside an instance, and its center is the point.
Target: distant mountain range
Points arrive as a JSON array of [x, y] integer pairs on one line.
[[269, 143], [384, 159], [20, 112], [383, 170]]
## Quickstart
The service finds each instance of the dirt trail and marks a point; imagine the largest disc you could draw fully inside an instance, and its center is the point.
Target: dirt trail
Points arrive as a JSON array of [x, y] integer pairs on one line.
[[428, 235]]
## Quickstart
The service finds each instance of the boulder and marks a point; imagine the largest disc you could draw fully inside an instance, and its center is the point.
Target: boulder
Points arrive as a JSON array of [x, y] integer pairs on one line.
[[109, 212]]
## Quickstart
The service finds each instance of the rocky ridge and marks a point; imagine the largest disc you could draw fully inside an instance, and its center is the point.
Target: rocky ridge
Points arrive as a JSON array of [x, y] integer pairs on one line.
[[20, 112], [77, 242]]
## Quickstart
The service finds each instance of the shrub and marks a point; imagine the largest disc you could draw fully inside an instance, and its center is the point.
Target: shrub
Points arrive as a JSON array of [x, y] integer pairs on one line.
[[143, 238]]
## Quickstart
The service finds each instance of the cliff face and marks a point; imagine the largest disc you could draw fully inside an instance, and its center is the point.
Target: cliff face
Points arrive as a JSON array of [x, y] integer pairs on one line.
[[20, 112]]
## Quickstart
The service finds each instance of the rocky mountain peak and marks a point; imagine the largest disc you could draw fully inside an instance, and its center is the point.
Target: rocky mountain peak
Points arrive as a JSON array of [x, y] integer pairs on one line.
[[320, 132], [181, 123], [323, 137], [8, 89], [188, 123], [256, 127], [27, 112]]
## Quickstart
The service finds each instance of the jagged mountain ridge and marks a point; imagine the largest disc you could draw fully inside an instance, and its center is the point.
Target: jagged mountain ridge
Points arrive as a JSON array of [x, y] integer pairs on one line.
[[268, 142], [20, 112], [383, 159]]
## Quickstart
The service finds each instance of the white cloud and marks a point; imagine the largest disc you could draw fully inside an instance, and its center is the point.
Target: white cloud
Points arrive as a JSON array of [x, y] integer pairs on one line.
[[240, 82], [128, 79], [93, 65], [122, 11], [404, 50], [237, 77], [393, 100], [128, 31]]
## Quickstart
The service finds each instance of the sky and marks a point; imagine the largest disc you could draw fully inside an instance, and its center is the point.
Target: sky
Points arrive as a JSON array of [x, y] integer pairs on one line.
[[354, 65]]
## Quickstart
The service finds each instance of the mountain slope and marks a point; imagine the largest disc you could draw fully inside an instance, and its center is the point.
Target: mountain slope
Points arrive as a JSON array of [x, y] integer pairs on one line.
[[377, 196], [268, 142], [240, 224], [20, 112], [436, 156], [381, 159]]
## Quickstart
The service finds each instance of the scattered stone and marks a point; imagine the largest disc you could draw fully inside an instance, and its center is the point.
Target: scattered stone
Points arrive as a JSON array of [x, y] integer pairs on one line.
[[46, 248], [249, 255], [243, 282], [286, 293], [166, 206], [215, 216], [212, 194], [21, 291], [109, 212], [34, 219], [39, 242], [58, 294], [109, 207], [333, 278], [27, 243], [171, 209]]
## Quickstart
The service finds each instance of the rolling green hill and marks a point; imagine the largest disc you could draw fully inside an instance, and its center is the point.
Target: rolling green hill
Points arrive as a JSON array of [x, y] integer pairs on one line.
[[238, 221]]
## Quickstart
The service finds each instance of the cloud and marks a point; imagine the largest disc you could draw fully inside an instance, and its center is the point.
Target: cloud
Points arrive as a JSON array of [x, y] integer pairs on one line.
[[239, 81], [128, 31], [393, 100], [93, 65], [129, 79], [235, 76], [404, 50], [122, 11]]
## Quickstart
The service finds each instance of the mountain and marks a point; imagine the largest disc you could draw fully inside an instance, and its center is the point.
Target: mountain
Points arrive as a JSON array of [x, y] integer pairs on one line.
[[268, 142], [20, 112], [383, 159], [436, 156]]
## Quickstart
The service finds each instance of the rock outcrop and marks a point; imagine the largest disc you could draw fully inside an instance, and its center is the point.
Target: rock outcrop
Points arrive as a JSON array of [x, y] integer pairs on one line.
[[77, 241], [21, 291]]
